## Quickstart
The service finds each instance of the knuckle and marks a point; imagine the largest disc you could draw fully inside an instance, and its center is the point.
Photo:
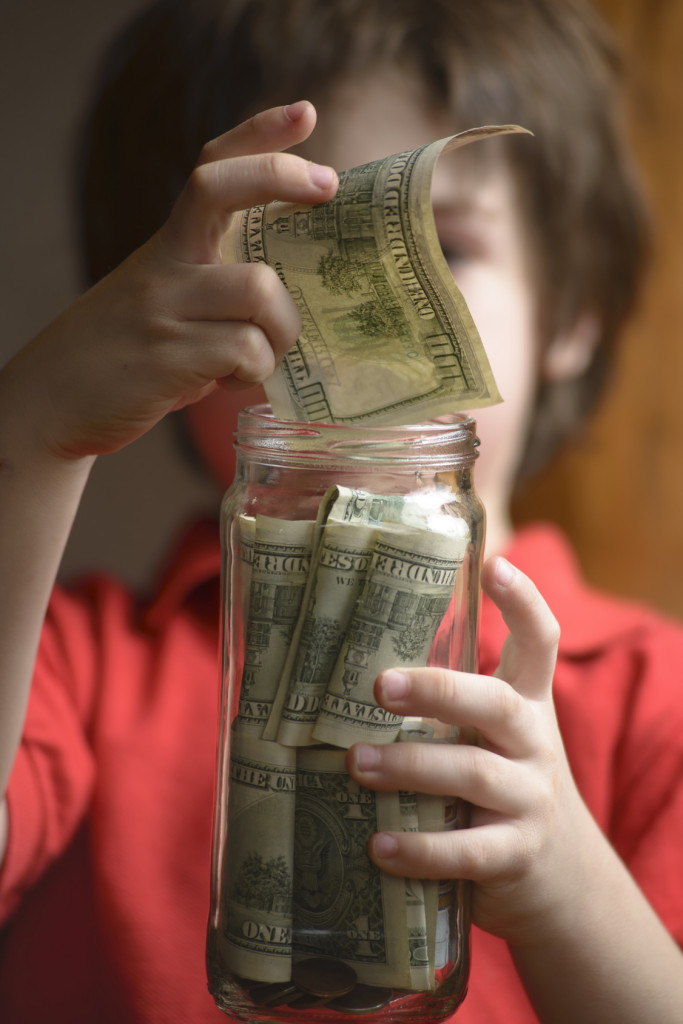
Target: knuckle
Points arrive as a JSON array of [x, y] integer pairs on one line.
[[206, 153], [489, 773], [157, 324], [478, 858], [251, 341], [275, 165], [548, 626], [553, 630], [202, 181], [442, 685], [254, 361], [261, 286], [508, 706]]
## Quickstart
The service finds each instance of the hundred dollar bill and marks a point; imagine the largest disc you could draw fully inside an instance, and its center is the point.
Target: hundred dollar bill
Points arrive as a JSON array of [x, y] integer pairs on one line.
[[246, 526], [387, 336], [279, 571], [345, 535], [422, 509], [344, 906], [407, 592], [327, 603], [432, 815], [420, 943], [257, 902], [342, 560], [348, 520], [280, 690]]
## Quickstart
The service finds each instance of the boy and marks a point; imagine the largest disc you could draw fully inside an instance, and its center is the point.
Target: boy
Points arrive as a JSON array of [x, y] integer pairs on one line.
[[109, 797]]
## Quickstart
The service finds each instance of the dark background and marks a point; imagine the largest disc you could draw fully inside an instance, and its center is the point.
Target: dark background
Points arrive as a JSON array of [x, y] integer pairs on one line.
[[139, 498], [618, 492]]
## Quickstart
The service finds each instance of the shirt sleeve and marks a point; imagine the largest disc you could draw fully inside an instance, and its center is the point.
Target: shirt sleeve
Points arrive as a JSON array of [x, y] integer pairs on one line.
[[52, 780]]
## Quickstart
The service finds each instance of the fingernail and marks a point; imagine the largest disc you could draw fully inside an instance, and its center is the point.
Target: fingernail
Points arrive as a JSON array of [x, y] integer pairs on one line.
[[394, 685], [384, 845], [321, 176], [294, 111], [504, 572], [367, 757]]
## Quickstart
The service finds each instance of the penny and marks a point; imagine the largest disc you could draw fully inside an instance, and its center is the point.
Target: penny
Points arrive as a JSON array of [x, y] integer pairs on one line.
[[328, 979], [274, 994], [362, 999], [304, 1002]]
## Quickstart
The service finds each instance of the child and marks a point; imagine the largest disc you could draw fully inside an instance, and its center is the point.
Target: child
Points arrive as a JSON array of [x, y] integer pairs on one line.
[[109, 796]]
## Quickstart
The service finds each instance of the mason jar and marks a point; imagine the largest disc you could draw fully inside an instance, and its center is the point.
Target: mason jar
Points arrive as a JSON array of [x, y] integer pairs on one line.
[[347, 550]]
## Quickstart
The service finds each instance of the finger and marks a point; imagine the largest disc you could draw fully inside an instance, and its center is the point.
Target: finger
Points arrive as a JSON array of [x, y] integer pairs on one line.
[[530, 650], [214, 191], [480, 854], [233, 353], [485, 703], [266, 132], [250, 292], [477, 775]]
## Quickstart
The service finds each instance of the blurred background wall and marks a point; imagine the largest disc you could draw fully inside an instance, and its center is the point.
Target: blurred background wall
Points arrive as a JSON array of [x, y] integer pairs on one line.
[[618, 492], [139, 498]]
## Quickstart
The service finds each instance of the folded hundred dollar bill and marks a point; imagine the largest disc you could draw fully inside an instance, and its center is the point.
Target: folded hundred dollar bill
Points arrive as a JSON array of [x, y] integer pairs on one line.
[[387, 336]]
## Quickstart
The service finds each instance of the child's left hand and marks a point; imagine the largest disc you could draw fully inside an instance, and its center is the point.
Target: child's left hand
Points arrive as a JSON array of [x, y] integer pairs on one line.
[[531, 835]]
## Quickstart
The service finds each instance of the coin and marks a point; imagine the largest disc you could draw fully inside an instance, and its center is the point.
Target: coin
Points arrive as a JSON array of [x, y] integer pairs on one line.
[[362, 999], [274, 994], [328, 979], [305, 1002]]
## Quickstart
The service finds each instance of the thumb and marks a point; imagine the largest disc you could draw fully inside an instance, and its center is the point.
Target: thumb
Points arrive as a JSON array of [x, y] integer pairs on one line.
[[528, 657]]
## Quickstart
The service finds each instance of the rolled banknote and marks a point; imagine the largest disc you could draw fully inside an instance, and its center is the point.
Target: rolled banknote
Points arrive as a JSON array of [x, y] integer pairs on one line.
[[256, 922], [432, 815], [407, 591], [348, 522], [420, 943], [279, 571], [387, 336], [341, 564], [340, 509]]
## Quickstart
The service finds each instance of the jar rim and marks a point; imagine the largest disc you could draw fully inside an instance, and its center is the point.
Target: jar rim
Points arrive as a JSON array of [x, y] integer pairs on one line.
[[450, 437]]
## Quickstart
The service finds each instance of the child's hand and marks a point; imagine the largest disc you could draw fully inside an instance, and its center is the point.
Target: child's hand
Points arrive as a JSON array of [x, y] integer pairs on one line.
[[528, 820], [172, 322]]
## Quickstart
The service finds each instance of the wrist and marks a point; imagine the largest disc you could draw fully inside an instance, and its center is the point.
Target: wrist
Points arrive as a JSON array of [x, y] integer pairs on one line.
[[30, 423]]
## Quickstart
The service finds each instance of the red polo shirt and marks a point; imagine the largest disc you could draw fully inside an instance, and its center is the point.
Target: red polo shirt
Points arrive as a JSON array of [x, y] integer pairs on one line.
[[104, 890]]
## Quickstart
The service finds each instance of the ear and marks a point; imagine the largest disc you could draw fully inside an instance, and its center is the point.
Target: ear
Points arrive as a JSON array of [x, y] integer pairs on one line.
[[571, 351]]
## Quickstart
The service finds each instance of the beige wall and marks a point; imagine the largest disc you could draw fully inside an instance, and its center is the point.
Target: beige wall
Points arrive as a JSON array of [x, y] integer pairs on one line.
[[619, 493]]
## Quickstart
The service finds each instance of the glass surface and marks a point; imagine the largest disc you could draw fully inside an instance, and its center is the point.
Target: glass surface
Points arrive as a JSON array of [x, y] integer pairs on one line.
[[346, 550]]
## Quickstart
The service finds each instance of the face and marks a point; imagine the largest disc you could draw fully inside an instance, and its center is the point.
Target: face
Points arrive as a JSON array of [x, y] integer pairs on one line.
[[483, 241]]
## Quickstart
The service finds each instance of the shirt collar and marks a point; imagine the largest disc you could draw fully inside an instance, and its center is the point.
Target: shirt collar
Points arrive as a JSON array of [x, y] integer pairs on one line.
[[191, 578]]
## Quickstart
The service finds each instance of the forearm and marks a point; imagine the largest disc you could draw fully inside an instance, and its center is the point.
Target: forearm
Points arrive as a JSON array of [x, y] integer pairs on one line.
[[605, 956], [39, 495]]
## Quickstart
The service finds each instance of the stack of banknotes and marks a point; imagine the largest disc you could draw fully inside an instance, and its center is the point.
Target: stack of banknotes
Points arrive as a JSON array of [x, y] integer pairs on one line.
[[328, 604]]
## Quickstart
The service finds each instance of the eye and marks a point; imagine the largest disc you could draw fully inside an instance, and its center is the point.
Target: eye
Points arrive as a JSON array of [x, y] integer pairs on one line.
[[454, 254], [462, 237]]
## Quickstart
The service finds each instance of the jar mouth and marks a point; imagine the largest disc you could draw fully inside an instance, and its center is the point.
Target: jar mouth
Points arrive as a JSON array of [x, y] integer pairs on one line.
[[449, 437]]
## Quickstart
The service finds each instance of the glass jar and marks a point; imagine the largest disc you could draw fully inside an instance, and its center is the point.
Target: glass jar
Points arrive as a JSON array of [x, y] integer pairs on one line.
[[346, 550]]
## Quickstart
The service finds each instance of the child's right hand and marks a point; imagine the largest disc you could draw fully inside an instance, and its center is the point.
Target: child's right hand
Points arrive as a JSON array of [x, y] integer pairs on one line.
[[172, 322]]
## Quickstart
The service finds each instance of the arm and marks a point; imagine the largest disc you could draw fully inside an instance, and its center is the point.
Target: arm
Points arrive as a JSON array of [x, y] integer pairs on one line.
[[587, 945], [163, 330]]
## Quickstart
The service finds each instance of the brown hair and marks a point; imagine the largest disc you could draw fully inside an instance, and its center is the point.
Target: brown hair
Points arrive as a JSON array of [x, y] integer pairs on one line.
[[189, 69]]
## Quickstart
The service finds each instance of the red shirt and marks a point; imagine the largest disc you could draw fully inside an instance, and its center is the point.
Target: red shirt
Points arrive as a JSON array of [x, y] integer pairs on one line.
[[105, 886]]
